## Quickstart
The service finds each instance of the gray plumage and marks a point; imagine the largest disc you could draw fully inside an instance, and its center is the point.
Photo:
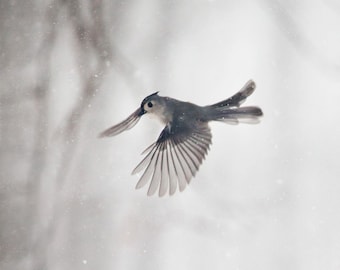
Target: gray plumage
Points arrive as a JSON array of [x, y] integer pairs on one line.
[[184, 142]]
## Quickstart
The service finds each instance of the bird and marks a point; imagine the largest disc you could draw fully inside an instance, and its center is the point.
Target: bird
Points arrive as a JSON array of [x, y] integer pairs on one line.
[[174, 159]]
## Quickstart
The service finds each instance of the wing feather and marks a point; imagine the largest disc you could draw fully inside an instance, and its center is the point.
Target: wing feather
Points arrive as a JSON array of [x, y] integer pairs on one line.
[[127, 124], [178, 168], [149, 169], [156, 177], [174, 159], [172, 170], [165, 172]]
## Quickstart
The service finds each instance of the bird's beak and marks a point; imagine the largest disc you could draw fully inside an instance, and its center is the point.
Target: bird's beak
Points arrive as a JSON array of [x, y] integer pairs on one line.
[[141, 111]]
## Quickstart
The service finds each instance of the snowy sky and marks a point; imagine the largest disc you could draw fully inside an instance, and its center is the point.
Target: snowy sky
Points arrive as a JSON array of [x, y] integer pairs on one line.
[[267, 195]]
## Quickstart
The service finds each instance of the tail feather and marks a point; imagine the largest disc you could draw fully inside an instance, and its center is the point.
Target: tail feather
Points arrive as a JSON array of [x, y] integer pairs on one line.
[[229, 110], [250, 115], [237, 99]]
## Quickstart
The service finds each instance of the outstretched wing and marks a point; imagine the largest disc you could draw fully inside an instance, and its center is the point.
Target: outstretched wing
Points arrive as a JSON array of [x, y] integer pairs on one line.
[[174, 159], [128, 123]]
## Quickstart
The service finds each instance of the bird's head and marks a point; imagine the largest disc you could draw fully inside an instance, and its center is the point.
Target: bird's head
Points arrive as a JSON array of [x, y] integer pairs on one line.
[[154, 105], [150, 104]]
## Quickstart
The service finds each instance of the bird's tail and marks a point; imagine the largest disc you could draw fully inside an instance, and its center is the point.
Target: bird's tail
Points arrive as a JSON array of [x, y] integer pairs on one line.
[[249, 115], [229, 110]]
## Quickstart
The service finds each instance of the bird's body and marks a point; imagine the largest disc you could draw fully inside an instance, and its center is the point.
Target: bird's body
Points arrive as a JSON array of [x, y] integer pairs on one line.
[[182, 145]]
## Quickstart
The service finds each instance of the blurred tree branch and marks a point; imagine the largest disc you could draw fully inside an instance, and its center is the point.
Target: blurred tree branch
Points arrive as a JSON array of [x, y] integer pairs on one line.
[[95, 53]]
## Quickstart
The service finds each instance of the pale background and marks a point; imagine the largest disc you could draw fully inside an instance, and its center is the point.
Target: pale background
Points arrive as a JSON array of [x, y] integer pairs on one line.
[[267, 196]]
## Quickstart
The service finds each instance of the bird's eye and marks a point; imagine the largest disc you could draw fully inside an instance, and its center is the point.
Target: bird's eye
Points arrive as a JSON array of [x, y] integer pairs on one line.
[[150, 104]]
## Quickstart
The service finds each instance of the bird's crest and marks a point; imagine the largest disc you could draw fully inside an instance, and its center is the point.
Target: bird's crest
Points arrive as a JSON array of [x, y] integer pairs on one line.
[[145, 100]]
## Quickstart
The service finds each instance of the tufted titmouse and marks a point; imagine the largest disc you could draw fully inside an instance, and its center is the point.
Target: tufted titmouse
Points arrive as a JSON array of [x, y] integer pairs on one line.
[[182, 145]]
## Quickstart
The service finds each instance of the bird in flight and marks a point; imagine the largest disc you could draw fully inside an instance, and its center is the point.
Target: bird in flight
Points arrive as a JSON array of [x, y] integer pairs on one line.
[[185, 140]]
